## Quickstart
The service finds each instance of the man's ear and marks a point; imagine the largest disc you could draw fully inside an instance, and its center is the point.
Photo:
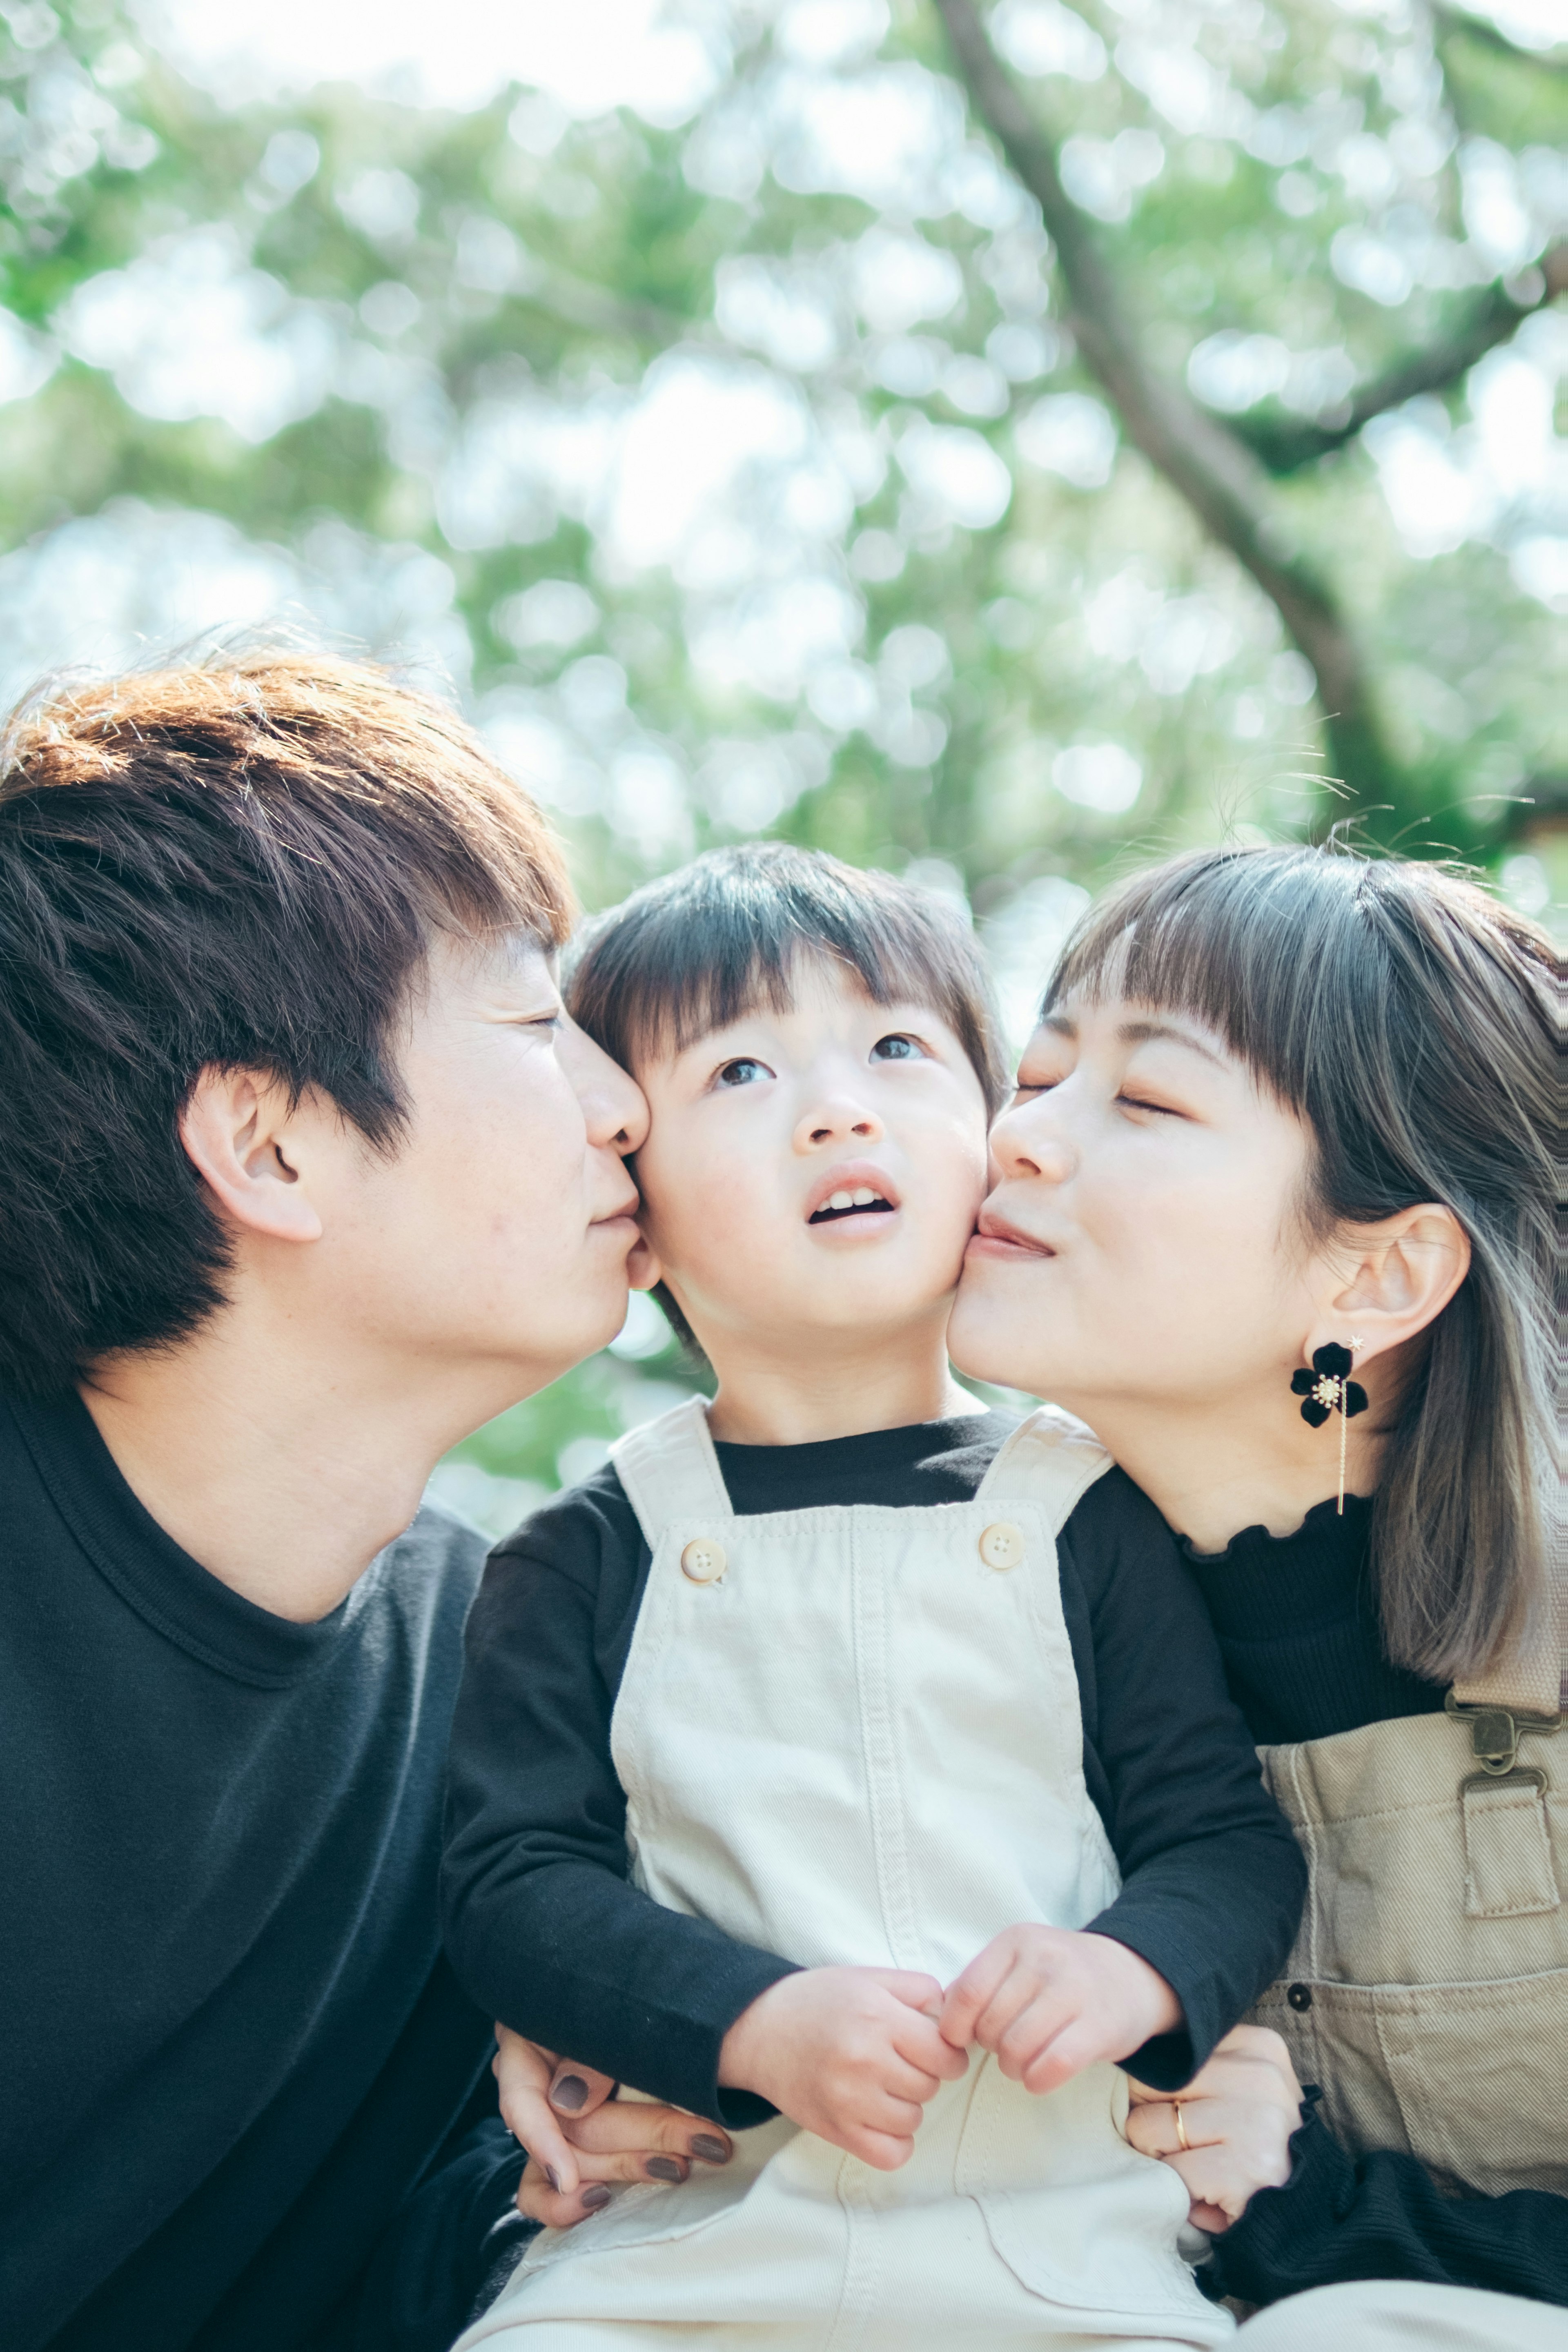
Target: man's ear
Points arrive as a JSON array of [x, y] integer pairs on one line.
[[237, 1133], [1407, 1268]]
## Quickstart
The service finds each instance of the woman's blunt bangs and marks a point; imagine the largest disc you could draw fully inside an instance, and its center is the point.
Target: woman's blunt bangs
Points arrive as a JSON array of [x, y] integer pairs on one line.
[[700, 948], [1408, 1019]]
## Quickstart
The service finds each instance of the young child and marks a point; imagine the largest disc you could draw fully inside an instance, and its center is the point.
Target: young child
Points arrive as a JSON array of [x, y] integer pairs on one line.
[[843, 1759]]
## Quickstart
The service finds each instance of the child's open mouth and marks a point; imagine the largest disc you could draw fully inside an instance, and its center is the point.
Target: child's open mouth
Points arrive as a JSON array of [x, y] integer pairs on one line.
[[854, 1203]]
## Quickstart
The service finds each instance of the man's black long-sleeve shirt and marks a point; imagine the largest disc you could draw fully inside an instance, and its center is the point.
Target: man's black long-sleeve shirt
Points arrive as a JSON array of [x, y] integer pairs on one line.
[[547, 1932], [233, 2048]]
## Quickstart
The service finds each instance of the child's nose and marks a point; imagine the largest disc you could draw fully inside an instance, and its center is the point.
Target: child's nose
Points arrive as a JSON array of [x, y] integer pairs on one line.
[[832, 1122]]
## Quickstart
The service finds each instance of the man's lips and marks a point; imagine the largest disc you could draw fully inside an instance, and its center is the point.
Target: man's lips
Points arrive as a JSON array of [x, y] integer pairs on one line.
[[994, 1237]]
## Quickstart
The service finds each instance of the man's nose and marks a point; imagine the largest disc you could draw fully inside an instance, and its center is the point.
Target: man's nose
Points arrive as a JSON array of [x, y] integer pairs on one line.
[[615, 1108]]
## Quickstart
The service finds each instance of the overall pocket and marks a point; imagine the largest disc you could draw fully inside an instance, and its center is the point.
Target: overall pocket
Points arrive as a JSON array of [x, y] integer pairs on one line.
[[1460, 2076], [1477, 2072], [1077, 2215]]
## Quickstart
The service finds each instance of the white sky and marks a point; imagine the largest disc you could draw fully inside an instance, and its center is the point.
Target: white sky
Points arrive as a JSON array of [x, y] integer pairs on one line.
[[589, 55]]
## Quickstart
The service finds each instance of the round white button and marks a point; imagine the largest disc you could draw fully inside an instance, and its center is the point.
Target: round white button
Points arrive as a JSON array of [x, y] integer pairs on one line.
[[1002, 1546], [703, 1562]]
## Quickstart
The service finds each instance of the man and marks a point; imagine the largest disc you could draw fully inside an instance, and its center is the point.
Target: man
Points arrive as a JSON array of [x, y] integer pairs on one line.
[[306, 1176]]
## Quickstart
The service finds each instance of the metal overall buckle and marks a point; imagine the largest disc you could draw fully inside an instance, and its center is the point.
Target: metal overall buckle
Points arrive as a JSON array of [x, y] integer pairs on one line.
[[1494, 1735]]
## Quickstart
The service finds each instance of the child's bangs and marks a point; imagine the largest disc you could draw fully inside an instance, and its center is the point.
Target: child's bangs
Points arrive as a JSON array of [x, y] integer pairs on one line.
[[697, 991], [729, 935]]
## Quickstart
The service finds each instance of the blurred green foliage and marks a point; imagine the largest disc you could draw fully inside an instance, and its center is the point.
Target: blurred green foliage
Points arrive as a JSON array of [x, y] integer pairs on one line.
[[739, 468]]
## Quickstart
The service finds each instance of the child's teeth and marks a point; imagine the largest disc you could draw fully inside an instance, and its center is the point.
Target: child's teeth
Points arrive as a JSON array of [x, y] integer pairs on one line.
[[841, 1201], [864, 1196]]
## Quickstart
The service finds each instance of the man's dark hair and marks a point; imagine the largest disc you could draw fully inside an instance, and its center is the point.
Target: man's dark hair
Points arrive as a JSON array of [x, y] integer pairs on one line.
[[237, 866], [690, 953]]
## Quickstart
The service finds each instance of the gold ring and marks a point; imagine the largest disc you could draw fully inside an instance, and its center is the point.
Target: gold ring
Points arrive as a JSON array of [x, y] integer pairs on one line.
[[1181, 2127]]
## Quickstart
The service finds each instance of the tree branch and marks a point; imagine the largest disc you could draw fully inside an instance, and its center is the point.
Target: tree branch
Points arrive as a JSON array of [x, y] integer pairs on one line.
[[1285, 444], [1450, 21], [577, 302], [1204, 461]]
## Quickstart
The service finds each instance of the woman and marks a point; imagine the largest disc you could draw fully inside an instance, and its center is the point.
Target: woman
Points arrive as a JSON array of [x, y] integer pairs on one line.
[[1281, 1103], [1286, 1103]]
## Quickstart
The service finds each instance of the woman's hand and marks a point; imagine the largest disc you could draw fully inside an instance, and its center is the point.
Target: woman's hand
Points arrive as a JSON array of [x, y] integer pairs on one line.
[[1237, 2112], [580, 2138]]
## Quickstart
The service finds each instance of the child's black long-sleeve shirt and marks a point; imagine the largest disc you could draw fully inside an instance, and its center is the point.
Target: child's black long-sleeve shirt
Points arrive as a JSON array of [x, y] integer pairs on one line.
[[548, 1935]]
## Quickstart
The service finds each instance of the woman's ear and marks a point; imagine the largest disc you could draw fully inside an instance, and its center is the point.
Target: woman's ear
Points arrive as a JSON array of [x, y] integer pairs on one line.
[[238, 1132], [1407, 1268]]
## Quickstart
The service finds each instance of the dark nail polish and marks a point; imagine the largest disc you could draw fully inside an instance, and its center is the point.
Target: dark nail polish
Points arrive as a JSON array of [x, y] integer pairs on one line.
[[712, 2150], [664, 2168], [552, 2177], [571, 2092], [595, 2195]]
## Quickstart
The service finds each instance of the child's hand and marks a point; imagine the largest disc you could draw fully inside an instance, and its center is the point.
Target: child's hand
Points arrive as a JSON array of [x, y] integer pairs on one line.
[[1237, 2113], [852, 2054], [1051, 2000]]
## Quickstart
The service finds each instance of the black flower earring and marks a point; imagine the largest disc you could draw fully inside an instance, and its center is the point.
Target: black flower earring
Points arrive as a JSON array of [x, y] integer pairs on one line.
[[1328, 1389]]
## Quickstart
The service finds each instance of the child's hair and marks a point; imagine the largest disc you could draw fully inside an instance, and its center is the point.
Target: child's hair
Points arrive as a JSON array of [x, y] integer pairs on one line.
[[1410, 1021], [689, 954], [237, 864]]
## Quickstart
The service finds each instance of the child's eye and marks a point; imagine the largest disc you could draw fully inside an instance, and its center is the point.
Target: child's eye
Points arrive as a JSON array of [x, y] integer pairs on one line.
[[898, 1048], [742, 1072]]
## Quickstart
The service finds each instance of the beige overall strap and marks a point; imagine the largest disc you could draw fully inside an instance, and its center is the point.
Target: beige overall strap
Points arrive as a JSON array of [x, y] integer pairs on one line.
[[670, 1472], [1509, 1870], [1051, 1459], [1528, 1683]]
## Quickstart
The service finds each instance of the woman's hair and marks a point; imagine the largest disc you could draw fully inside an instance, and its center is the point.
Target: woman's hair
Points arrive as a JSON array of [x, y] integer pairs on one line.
[[1413, 1024], [239, 865]]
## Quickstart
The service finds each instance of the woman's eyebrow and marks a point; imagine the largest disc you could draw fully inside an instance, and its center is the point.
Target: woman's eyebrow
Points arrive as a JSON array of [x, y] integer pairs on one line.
[[1141, 1032]]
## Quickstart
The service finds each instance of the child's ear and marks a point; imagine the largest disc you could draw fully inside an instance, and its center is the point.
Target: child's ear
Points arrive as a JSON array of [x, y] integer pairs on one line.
[[645, 1270]]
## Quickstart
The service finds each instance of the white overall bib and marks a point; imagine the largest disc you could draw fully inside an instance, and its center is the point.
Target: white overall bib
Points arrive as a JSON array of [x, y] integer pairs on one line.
[[851, 1735]]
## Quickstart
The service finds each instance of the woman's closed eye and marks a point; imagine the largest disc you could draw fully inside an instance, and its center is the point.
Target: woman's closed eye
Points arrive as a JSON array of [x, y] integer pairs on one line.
[[744, 1071]]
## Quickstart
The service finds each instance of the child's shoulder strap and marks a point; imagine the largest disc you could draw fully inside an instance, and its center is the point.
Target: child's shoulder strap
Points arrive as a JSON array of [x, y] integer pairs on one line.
[[1051, 1459], [670, 1470]]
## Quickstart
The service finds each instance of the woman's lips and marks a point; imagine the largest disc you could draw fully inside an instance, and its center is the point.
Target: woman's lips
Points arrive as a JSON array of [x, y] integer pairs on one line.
[[997, 1239]]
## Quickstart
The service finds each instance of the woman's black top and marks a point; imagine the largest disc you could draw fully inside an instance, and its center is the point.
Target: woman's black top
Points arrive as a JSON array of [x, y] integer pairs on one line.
[[1297, 1626]]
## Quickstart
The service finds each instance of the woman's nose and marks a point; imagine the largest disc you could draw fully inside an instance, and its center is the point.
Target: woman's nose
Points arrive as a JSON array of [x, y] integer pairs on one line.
[[1027, 1144]]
